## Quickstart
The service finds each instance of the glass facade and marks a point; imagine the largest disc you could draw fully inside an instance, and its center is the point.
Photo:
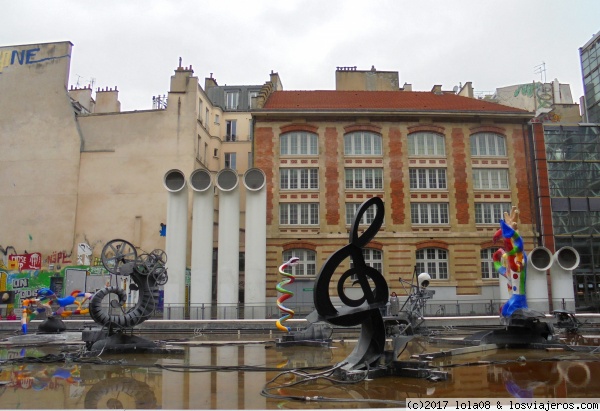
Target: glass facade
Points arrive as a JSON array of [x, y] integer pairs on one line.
[[590, 69], [573, 160]]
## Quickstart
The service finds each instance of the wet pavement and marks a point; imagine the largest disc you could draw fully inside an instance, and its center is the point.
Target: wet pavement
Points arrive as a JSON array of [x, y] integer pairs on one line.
[[251, 372]]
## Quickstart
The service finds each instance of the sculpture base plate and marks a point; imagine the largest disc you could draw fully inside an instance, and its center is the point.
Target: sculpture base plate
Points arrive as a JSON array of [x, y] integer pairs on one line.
[[408, 369], [98, 341]]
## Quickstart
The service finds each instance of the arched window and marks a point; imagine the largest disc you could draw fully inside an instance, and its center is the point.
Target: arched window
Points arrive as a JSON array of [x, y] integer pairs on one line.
[[426, 143], [487, 264], [488, 144], [307, 264], [433, 261], [362, 143], [299, 143]]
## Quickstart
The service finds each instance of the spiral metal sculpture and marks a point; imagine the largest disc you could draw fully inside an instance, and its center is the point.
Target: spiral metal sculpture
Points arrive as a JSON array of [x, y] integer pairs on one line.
[[285, 293], [147, 271]]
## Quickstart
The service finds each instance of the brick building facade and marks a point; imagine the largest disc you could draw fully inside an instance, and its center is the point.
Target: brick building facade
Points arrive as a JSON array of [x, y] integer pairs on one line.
[[446, 167]]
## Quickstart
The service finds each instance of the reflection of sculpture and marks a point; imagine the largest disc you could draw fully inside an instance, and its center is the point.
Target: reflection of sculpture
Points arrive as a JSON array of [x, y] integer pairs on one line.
[[40, 376], [121, 392], [511, 262], [147, 272], [285, 293]]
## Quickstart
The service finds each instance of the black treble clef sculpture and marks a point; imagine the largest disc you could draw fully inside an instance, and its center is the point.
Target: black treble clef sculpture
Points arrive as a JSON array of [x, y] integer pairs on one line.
[[365, 310]]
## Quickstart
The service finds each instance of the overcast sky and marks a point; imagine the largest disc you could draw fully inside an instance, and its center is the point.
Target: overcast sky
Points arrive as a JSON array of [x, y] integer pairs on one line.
[[136, 45]]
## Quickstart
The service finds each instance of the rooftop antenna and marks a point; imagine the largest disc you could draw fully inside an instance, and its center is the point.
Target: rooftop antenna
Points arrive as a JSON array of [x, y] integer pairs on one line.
[[541, 70]]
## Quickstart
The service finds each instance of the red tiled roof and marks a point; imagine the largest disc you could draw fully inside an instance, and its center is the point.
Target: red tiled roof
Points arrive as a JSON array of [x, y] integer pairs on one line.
[[381, 100]]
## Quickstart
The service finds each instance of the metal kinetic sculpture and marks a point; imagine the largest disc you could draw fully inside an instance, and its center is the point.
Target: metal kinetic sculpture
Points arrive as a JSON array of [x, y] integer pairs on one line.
[[369, 358], [286, 294], [147, 272], [364, 311]]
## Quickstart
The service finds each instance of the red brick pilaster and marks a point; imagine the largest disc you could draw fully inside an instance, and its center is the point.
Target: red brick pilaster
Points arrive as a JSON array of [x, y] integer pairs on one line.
[[332, 177], [461, 186], [396, 149], [522, 177]]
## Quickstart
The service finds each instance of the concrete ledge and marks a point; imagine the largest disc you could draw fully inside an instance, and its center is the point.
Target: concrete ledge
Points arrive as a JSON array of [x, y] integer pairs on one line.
[[268, 325]]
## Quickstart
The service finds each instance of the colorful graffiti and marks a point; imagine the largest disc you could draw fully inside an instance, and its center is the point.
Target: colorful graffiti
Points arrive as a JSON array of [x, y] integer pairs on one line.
[[32, 261], [59, 257], [23, 57], [542, 92]]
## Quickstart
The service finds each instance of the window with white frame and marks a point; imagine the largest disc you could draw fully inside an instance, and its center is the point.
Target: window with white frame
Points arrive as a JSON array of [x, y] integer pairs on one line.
[[231, 100], [487, 264], [362, 143], [490, 178], [488, 144], [299, 178], [299, 213], [433, 261], [427, 178], [299, 143], [367, 217], [373, 258], [206, 117], [217, 119], [230, 160], [429, 213], [426, 144], [490, 213], [307, 264], [231, 130], [364, 178]]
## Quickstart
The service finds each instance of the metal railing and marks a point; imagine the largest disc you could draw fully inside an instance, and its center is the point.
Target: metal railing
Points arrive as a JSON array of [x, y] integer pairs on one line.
[[434, 308]]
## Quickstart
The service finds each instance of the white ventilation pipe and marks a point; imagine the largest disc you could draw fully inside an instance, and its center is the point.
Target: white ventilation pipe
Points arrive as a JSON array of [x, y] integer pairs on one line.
[[563, 295], [228, 271], [202, 244], [256, 246], [176, 244], [536, 286]]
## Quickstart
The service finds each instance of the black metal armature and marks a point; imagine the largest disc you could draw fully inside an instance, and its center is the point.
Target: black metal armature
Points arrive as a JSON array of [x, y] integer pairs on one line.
[[364, 311]]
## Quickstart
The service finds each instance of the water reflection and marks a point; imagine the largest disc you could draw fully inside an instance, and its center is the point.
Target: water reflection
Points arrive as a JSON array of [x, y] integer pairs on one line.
[[231, 375]]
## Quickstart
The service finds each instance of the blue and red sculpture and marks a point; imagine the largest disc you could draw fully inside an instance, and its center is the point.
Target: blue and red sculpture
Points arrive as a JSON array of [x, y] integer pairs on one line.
[[511, 262]]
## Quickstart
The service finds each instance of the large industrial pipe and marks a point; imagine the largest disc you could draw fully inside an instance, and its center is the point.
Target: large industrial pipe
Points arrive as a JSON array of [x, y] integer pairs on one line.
[[540, 261], [176, 243], [256, 246], [228, 271], [202, 244], [563, 295]]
